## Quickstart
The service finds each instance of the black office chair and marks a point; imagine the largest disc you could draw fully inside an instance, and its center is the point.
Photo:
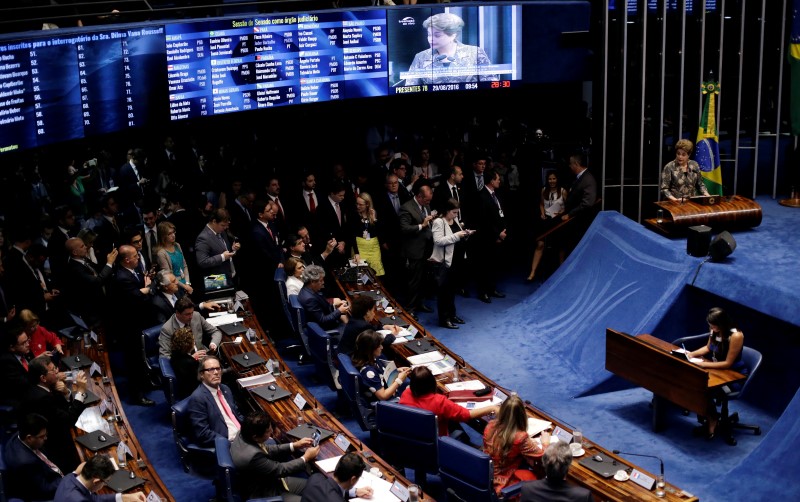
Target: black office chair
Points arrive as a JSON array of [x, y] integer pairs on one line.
[[729, 421], [408, 437], [466, 470], [196, 459], [150, 353], [226, 475], [350, 382], [321, 345], [167, 379]]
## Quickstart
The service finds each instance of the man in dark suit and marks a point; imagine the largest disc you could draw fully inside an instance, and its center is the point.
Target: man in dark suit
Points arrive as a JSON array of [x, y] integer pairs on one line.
[[450, 189], [387, 205], [264, 256], [65, 223], [415, 226], [132, 182], [109, 231], [14, 365], [206, 336], [86, 281], [93, 476], [213, 249], [471, 185], [321, 488], [489, 236], [260, 474], [554, 488], [305, 203], [61, 406], [30, 475], [329, 315], [150, 234], [242, 213], [580, 202], [332, 222], [212, 409], [273, 194]]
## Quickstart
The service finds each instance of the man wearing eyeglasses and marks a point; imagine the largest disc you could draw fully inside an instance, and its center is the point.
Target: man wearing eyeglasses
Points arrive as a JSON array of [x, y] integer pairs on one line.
[[50, 397], [30, 474], [91, 476], [212, 409]]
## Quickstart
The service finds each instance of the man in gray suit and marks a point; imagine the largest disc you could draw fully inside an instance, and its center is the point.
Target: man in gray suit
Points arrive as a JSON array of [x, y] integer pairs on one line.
[[213, 250], [556, 460], [206, 336], [415, 225], [260, 475]]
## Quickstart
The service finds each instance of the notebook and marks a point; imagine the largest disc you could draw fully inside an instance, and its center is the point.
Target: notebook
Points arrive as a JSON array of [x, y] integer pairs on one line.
[[121, 481], [420, 346], [394, 320], [248, 359], [97, 440], [77, 361], [270, 395], [607, 468], [233, 329]]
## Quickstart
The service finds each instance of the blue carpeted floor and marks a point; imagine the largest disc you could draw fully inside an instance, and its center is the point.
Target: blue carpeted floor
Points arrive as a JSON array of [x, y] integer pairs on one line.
[[547, 343]]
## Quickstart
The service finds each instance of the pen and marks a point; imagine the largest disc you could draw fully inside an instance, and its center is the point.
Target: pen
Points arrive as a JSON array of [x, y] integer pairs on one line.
[[683, 347]]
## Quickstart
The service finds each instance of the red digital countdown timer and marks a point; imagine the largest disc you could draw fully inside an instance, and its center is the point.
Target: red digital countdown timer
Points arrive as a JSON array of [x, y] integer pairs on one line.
[[501, 84]]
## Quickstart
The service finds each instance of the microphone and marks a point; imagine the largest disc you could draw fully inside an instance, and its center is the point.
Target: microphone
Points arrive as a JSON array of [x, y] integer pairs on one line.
[[617, 452], [452, 494]]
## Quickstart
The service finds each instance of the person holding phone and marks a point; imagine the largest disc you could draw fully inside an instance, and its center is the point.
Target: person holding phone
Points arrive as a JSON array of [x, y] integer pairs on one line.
[[260, 475], [449, 255]]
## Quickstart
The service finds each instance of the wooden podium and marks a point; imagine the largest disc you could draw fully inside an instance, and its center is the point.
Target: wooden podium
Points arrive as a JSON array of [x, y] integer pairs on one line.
[[717, 212], [646, 361]]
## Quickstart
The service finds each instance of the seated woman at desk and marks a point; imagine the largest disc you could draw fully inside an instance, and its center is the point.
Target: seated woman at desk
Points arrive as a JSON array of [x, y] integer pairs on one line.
[[362, 315], [294, 275], [370, 362], [722, 351], [421, 393], [506, 440], [183, 363], [681, 177]]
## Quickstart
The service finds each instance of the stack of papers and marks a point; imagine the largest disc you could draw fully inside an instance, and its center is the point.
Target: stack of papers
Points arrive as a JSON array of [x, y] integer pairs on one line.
[[223, 319], [535, 426], [380, 488], [465, 385], [256, 380], [435, 361], [328, 464]]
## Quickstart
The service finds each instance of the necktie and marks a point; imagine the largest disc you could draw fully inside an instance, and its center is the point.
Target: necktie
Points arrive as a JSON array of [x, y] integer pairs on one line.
[[280, 208], [151, 240], [479, 181], [312, 206], [227, 408], [114, 224], [496, 202], [455, 192], [93, 272], [24, 362], [47, 461], [338, 213], [395, 203]]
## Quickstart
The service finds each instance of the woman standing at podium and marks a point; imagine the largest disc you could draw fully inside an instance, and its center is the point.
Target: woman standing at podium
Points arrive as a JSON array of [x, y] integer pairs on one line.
[[681, 177], [722, 351]]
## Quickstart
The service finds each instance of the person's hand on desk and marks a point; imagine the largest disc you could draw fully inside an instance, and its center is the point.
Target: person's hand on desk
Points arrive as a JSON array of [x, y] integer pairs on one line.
[[364, 492], [392, 328], [209, 305]]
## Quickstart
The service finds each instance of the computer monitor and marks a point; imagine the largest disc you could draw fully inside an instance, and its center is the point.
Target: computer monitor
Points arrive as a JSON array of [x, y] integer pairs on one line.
[[218, 287]]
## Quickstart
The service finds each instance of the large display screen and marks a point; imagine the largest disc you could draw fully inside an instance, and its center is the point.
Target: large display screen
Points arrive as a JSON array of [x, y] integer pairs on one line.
[[87, 82]]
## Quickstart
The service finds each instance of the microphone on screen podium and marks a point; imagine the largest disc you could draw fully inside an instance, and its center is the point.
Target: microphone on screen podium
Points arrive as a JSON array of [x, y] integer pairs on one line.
[[617, 452]]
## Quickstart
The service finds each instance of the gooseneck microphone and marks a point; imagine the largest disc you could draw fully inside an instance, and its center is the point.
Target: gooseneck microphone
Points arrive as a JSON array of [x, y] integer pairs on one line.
[[452, 495], [617, 452]]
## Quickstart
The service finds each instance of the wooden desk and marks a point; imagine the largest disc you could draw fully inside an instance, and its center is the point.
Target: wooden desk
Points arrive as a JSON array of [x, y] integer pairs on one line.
[[646, 361], [118, 422], [727, 212], [602, 488], [284, 412]]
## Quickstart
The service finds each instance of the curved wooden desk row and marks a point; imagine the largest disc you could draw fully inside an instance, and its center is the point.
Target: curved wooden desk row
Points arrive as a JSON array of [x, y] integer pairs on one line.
[[284, 412], [602, 488], [721, 212], [105, 389]]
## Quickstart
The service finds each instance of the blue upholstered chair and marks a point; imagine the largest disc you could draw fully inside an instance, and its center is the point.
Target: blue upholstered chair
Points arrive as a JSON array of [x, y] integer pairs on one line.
[[226, 475], [150, 352], [729, 421], [196, 459], [466, 470], [298, 315], [408, 438], [3, 468], [692, 342], [322, 347], [167, 379], [350, 382]]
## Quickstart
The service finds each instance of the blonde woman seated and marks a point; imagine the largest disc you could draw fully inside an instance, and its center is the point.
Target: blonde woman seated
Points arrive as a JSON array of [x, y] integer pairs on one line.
[[506, 440]]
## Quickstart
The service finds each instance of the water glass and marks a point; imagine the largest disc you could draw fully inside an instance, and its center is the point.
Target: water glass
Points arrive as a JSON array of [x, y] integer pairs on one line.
[[301, 419], [577, 437], [413, 493], [660, 216], [660, 485], [455, 375]]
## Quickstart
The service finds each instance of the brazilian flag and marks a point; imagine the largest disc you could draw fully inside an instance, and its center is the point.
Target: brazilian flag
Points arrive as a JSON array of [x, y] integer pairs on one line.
[[707, 149], [794, 59]]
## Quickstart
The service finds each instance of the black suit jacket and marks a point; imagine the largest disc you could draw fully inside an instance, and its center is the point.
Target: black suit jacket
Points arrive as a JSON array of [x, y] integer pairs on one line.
[[265, 253], [441, 195], [469, 201], [489, 221], [61, 414], [300, 214], [14, 378], [582, 195], [417, 243], [328, 224], [28, 477], [318, 309], [57, 254], [321, 488], [391, 220], [107, 237], [544, 490], [84, 288]]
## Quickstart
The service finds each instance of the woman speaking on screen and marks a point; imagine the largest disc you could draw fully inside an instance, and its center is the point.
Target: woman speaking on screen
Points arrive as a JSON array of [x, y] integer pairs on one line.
[[447, 60]]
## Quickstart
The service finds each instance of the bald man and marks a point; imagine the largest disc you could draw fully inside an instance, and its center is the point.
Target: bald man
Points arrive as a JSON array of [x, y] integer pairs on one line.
[[84, 288]]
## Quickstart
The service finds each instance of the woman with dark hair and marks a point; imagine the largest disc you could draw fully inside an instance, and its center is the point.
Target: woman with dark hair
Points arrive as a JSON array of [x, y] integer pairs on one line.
[[552, 205], [170, 255], [421, 393], [506, 440], [182, 362], [722, 351], [448, 255], [682, 177], [362, 315], [371, 363], [294, 268]]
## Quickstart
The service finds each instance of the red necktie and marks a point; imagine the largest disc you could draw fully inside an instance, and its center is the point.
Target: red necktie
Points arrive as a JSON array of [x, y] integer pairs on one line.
[[312, 206], [227, 408], [47, 461], [24, 363]]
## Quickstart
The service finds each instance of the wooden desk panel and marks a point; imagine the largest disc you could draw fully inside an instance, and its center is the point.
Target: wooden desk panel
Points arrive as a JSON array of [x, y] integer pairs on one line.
[[603, 489], [734, 211]]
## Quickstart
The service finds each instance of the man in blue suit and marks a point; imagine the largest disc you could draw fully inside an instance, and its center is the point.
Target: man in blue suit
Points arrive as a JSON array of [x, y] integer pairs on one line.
[[30, 474], [212, 410], [321, 488], [318, 309], [81, 485]]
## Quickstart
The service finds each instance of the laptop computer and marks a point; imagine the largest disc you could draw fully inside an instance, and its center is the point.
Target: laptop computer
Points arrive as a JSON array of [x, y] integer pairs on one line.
[[218, 287], [605, 468]]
